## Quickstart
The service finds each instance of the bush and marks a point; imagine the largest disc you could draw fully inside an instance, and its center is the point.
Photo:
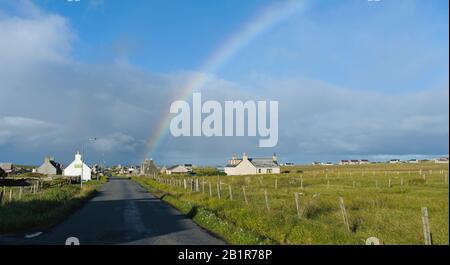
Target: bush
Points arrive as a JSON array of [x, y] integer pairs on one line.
[[2, 173], [31, 175], [208, 171]]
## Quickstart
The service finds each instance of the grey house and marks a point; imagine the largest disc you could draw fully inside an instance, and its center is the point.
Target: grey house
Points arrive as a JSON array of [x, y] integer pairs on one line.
[[7, 167], [50, 167], [148, 168]]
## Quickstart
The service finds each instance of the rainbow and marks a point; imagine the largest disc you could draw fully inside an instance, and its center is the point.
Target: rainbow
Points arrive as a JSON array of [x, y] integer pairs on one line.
[[265, 19]]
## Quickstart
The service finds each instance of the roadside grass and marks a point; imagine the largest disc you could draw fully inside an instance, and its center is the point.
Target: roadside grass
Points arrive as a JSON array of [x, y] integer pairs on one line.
[[204, 217], [45, 208], [392, 214]]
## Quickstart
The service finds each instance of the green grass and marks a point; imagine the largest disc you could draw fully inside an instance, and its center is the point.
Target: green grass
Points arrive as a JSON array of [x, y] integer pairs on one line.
[[393, 214], [205, 217], [45, 208]]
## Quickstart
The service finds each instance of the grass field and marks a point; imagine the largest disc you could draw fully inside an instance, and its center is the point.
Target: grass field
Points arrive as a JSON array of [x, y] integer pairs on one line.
[[381, 200], [48, 206]]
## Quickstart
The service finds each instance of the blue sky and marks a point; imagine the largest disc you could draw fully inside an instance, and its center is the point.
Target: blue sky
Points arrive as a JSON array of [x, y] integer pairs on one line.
[[354, 78], [350, 43]]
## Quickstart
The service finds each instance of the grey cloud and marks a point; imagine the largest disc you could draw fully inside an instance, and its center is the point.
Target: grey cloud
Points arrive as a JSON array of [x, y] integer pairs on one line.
[[54, 104]]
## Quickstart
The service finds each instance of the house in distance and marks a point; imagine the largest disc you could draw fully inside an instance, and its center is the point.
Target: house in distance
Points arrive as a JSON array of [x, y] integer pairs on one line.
[[50, 167], [179, 169], [78, 168], [148, 168], [252, 166]]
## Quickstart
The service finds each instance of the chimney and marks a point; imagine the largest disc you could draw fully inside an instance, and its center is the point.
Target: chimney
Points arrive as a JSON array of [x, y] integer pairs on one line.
[[245, 156], [78, 156]]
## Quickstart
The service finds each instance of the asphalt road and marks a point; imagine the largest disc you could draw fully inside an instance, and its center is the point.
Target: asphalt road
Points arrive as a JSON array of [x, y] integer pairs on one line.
[[123, 213]]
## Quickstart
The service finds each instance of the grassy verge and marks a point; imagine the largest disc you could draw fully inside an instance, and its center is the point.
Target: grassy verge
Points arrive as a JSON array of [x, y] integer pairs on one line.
[[45, 208], [207, 218]]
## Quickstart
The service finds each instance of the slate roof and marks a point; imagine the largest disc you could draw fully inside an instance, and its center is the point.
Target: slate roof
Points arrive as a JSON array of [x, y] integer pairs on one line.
[[263, 162], [259, 162], [6, 166]]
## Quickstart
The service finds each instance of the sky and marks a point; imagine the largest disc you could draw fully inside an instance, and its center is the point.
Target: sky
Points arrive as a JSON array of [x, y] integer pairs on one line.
[[355, 79]]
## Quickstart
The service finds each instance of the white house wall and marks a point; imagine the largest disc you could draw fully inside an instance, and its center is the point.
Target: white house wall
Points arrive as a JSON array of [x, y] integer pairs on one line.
[[74, 170]]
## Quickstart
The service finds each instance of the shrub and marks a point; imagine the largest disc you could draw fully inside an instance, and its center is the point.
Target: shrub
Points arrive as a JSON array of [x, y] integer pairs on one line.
[[207, 171]]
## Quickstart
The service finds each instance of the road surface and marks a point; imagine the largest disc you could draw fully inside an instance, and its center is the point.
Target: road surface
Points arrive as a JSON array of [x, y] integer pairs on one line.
[[123, 213]]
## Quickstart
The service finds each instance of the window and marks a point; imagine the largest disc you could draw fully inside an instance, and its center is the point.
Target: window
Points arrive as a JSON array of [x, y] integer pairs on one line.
[[269, 171], [259, 170]]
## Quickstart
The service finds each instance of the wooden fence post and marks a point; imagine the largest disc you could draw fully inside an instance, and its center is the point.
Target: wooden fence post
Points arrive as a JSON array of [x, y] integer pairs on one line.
[[426, 227], [276, 183], [267, 201], [210, 190], [245, 196], [231, 194], [185, 183], [10, 195], [203, 185], [389, 184], [218, 190], [20, 193], [297, 205], [344, 213]]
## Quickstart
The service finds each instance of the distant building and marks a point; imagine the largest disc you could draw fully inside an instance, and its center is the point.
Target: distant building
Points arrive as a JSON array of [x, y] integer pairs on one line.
[[251, 166], [189, 166], [316, 163], [178, 169], [50, 167], [130, 170], [78, 168], [97, 169], [7, 167], [413, 161], [354, 162], [148, 168], [394, 161], [441, 160]]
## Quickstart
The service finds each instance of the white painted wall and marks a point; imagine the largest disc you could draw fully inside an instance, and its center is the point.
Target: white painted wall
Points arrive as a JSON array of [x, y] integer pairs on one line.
[[74, 169]]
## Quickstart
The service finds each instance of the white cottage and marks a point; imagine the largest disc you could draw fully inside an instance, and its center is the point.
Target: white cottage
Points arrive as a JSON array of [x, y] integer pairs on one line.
[[251, 166], [78, 168]]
